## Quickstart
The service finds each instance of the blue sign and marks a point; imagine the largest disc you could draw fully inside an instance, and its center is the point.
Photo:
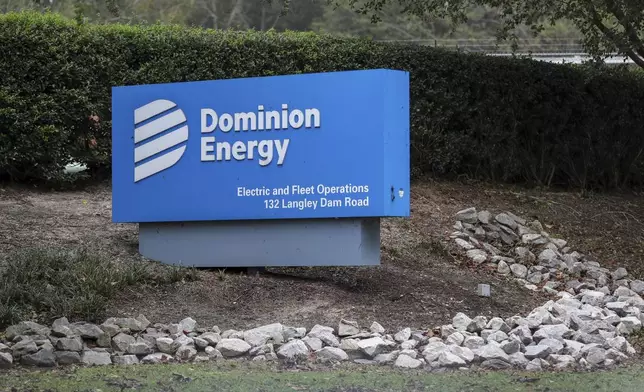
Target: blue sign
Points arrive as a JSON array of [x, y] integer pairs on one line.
[[325, 145]]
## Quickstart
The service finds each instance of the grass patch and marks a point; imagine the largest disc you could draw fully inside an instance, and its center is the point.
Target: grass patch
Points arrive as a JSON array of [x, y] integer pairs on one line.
[[245, 376], [46, 283]]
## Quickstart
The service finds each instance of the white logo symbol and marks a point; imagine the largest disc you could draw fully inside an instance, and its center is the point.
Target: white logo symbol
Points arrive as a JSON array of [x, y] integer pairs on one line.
[[160, 145]]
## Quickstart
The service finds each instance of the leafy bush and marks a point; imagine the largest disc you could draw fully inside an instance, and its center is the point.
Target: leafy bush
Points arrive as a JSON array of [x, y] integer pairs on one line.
[[501, 119], [46, 283]]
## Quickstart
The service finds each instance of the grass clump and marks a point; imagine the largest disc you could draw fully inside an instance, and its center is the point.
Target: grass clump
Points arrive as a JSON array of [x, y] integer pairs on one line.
[[46, 283]]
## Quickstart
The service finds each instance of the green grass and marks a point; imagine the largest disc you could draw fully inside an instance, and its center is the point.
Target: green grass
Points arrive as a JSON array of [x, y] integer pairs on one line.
[[42, 284], [232, 377]]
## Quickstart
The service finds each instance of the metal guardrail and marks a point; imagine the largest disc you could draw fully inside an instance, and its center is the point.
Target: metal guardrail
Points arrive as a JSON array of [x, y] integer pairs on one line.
[[567, 58]]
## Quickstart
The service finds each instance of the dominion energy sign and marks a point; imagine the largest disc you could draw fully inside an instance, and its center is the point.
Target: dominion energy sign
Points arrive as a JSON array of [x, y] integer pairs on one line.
[[268, 171]]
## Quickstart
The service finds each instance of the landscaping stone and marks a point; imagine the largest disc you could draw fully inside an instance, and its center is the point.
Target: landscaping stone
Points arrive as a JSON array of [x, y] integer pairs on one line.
[[67, 357], [236, 347], [293, 350], [405, 361], [332, 353], [6, 360], [91, 357], [348, 328]]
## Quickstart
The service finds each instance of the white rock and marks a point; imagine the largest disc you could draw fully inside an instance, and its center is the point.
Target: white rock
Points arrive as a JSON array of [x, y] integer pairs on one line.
[[503, 268], [463, 244], [506, 220], [447, 359], [537, 351], [562, 361], [386, 357], [618, 307], [185, 353], [479, 323], [404, 361], [87, 330], [6, 360], [272, 333], [619, 273], [141, 347], [484, 217], [125, 360], [456, 338], [403, 335], [618, 343], [199, 358], [201, 343], [561, 244], [496, 336], [511, 346], [409, 344], [596, 355], [325, 334], [157, 358], [461, 322], [547, 255], [432, 351], [377, 328], [516, 321], [556, 346], [629, 325], [463, 352], [232, 334], [96, 358], [556, 331], [211, 337], [524, 255], [637, 286], [409, 353], [473, 342], [518, 359], [188, 325], [373, 346], [61, 328], [332, 353], [213, 353], [498, 324], [535, 278], [491, 351], [534, 365], [467, 215], [447, 330], [295, 349], [519, 270], [316, 344], [532, 239], [183, 340], [73, 344], [615, 355], [477, 255], [233, 347], [348, 328], [495, 251], [289, 333], [167, 345]]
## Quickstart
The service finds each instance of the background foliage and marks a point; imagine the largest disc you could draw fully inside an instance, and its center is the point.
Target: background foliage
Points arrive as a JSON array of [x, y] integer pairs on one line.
[[481, 116]]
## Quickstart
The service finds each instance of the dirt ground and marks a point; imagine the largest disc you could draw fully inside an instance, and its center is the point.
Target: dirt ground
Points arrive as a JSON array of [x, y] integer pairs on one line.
[[421, 283]]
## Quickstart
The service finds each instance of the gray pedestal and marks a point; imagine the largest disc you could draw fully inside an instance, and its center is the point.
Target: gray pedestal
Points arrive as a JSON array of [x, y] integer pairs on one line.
[[284, 243]]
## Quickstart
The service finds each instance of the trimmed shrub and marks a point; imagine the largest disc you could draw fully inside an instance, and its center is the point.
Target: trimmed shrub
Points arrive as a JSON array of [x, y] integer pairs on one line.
[[501, 119]]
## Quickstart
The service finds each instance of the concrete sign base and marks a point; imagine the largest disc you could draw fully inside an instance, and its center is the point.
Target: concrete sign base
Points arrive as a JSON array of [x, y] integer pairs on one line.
[[286, 243]]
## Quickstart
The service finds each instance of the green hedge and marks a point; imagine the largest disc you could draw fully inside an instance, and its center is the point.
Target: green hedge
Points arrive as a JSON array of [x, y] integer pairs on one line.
[[484, 117]]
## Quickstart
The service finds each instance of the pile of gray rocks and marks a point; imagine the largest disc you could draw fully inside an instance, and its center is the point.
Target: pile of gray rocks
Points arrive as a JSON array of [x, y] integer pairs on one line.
[[561, 334], [584, 325], [593, 308]]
